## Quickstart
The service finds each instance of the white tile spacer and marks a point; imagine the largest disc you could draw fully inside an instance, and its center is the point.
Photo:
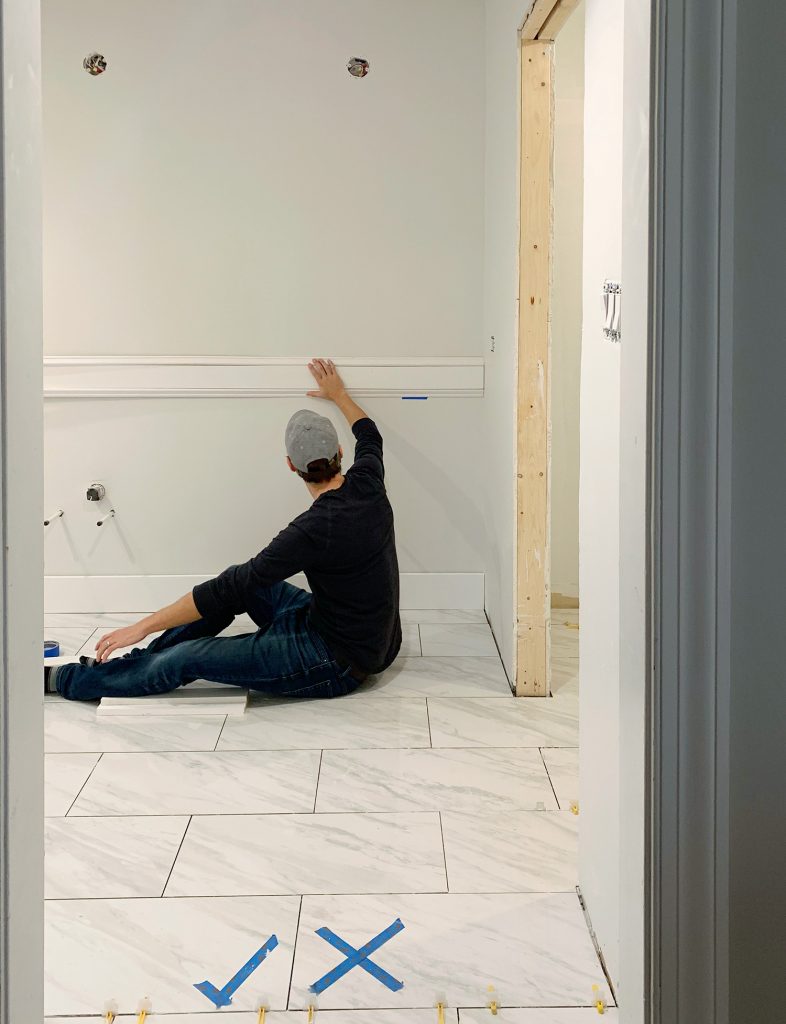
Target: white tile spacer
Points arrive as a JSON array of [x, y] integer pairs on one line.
[[145, 1007], [110, 1011]]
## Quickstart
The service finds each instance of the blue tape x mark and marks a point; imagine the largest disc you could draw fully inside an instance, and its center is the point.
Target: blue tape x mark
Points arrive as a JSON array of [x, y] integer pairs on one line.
[[223, 996], [358, 958]]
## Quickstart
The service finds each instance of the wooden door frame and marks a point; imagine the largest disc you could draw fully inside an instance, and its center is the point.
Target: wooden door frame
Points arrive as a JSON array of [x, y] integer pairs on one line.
[[533, 431]]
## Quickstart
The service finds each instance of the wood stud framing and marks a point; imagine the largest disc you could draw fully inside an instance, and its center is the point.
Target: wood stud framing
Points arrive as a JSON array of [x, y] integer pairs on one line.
[[546, 18], [559, 15], [534, 416]]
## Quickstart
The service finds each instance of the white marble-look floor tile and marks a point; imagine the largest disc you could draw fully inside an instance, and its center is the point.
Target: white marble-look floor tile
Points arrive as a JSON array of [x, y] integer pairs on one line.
[[221, 782], [283, 1017], [310, 853], [73, 726], [72, 639], [99, 950], [533, 947], [500, 722], [519, 851], [100, 858], [410, 641], [541, 1015], [441, 677], [443, 616], [564, 674], [458, 641], [64, 776], [433, 780], [563, 769], [361, 721]]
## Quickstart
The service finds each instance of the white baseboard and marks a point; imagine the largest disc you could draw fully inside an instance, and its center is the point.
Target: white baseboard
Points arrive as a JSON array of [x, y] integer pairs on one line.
[[147, 593]]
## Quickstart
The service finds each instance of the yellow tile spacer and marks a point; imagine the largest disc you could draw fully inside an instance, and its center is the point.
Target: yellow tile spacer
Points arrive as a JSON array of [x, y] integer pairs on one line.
[[310, 1014], [261, 1015], [144, 1009], [441, 1013], [574, 807], [492, 1003], [109, 1017], [597, 999]]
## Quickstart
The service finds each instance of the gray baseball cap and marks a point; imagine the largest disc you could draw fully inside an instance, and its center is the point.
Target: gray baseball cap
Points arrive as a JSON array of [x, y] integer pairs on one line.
[[309, 437]]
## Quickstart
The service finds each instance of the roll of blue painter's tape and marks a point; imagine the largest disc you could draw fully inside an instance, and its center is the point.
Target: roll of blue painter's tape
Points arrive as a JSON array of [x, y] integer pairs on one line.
[[51, 649]]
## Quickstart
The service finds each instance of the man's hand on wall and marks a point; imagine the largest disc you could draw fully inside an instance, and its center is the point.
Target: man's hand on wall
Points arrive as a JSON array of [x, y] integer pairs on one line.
[[324, 372]]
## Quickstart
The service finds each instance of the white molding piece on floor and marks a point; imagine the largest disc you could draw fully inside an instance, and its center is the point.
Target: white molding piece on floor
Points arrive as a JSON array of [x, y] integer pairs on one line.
[[255, 376], [147, 593]]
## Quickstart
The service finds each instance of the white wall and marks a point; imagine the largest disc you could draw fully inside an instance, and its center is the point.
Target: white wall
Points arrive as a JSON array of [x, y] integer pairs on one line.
[[226, 188], [599, 525], [567, 303], [199, 484], [634, 530], [503, 18]]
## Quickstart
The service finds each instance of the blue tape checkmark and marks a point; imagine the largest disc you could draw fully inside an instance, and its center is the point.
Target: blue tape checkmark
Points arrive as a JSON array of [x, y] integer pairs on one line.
[[223, 996]]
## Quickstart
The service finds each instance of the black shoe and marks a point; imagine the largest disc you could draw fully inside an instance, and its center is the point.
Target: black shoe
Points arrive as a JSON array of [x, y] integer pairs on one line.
[[49, 679], [85, 660]]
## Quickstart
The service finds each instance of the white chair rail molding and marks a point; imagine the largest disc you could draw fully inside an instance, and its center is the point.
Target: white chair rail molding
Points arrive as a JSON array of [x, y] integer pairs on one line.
[[76, 376]]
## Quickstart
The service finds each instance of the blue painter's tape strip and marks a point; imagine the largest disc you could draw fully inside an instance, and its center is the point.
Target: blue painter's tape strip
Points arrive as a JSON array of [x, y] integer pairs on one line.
[[51, 649], [223, 996], [359, 958]]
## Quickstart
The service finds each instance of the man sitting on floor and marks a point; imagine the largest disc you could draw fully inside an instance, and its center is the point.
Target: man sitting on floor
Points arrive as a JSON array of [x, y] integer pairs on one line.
[[322, 644]]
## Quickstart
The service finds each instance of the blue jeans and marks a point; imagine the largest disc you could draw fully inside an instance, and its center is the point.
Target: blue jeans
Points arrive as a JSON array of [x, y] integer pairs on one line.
[[286, 657]]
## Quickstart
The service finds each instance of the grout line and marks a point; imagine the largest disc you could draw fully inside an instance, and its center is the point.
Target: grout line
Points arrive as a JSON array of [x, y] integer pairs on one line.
[[430, 738], [548, 775], [294, 952], [596, 944], [319, 895], [179, 848], [319, 776], [91, 637], [420, 640], [481, 815], [329, 750], [336, 1013], [444, 853], [71, 806], [220, 732]]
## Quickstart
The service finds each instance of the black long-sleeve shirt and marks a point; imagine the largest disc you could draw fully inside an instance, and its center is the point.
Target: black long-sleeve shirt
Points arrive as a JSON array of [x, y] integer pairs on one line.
[[345, 544]]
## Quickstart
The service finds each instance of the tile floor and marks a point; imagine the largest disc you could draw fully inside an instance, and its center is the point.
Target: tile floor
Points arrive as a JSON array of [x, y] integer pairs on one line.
[[176, 847]]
